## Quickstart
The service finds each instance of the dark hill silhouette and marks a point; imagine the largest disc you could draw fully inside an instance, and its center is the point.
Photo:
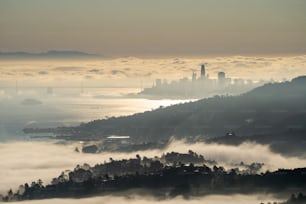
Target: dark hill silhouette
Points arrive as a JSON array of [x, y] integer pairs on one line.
[[173, 174], [272, 108], [269, 113]]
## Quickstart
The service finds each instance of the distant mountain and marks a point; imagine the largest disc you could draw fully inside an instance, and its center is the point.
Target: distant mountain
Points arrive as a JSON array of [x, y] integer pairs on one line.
[[49, 54]]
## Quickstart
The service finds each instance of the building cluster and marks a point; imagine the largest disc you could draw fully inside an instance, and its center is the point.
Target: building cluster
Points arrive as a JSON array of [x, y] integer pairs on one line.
[[204, 77], [201, 86]]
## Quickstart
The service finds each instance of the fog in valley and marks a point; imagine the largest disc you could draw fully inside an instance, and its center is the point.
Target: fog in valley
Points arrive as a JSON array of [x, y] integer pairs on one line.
[[29, 161], [136, 199]]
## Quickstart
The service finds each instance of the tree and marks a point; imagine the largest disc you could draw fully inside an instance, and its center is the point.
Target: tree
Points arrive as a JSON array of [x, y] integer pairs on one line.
[[10, 193], [106, 176], [21, 190], [40, 183], [54, 181], [292, 197]]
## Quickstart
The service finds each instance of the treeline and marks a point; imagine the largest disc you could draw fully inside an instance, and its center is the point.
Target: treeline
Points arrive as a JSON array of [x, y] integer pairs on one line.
[[164, 177]]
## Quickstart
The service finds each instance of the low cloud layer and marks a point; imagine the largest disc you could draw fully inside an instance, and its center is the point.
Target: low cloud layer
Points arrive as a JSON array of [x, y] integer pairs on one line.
[[136, 72], [23, 162], [233, 199]]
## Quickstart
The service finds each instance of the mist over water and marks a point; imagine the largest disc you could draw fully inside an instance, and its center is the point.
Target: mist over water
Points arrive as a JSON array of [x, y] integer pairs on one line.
[[66, 107]]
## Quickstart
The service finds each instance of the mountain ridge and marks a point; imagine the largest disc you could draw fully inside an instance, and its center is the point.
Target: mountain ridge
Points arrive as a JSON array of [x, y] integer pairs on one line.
[[48, 54], [260, 111], [274, 114]]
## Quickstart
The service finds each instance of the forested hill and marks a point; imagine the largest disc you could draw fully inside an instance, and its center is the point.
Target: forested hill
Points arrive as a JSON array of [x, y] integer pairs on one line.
[[268, 110]]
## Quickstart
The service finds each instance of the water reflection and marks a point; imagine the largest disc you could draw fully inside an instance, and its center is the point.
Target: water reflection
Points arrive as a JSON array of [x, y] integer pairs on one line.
[[34, 107]]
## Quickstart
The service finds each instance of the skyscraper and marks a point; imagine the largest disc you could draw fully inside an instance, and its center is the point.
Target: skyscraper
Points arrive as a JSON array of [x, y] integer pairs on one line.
[[221, 76], [194, 76], [203, 71], [158, 82], [222, 79]]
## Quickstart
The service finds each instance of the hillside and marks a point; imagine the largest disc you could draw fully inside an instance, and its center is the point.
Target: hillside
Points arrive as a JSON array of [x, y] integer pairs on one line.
[[268, 110]]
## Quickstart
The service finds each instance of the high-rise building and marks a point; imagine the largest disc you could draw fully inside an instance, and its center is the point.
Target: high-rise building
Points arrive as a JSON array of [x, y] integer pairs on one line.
[[158, 82], [194, 76], [203, 71], [239, 82], [221, 76]]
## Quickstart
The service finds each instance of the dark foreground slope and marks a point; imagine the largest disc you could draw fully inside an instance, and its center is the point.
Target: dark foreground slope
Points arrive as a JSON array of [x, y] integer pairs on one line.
[[163, 178]]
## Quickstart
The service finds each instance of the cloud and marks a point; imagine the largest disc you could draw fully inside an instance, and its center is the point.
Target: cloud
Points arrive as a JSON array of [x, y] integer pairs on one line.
[[178, 61], [131, 198], [130, 69], [28, 74], [8, 73], [246, 152], [43, 72], [68, 68], [117, 72], [29, 161], [88, 77], [94, 70]]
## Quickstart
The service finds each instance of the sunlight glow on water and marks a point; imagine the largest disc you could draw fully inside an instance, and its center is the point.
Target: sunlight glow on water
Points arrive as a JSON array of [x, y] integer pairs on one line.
[[66, 107], [100, 108]]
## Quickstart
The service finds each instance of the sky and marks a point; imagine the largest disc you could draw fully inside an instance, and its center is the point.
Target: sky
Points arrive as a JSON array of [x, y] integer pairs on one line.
[[155, 28]]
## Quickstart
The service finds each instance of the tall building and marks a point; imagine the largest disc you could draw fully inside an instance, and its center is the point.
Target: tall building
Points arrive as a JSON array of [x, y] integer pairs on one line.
[[158, 82], [221, 76], [194, 76], [203, 71]]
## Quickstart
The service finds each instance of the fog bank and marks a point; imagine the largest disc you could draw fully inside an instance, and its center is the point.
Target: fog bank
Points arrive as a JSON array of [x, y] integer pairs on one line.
[[23, 162], [215, 199]]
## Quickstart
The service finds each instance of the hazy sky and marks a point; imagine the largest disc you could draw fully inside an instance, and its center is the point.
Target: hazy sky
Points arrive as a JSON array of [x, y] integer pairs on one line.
[[155, 27]]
